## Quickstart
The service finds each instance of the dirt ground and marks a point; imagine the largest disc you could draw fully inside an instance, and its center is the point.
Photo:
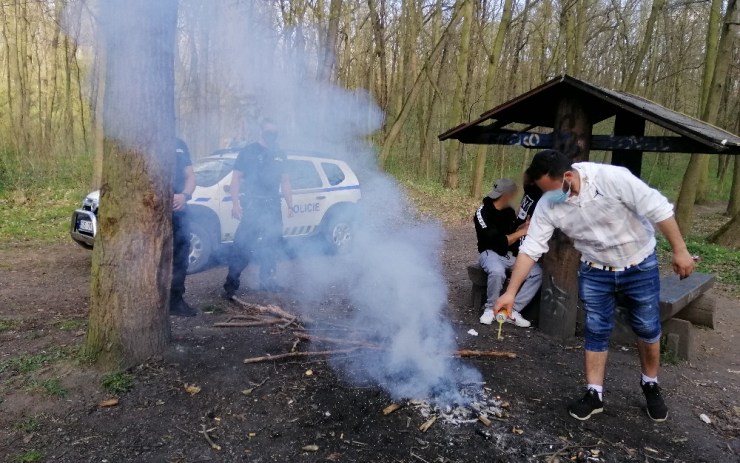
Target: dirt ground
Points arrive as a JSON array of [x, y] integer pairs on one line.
[[43, 303]]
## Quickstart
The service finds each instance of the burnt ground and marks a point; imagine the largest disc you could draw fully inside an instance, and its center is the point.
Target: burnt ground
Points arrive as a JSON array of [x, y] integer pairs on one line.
[[49, 396]]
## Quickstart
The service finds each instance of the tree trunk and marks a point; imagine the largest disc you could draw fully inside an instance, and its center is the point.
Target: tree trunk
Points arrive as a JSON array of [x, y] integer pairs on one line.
[[98, 129], [687, 195], [132, 259], [647, 41], [454, 148], [729, 234], [491, 80], [710, 60], [395, 128]]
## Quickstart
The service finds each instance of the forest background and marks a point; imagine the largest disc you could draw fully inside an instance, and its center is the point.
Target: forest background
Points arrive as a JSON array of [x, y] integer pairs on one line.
[[429, 64]]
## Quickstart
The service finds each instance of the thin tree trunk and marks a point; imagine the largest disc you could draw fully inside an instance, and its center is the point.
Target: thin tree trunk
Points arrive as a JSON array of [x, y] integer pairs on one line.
[[687, 195], [491, 79], [645, 44], [395, 128], [454, 148]]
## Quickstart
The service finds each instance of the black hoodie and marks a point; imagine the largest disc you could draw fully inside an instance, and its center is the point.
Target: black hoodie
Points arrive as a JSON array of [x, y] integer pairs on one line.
[[492, 226]]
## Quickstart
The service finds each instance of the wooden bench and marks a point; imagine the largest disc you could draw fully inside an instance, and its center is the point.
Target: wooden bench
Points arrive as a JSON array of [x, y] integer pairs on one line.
[[682, 303]]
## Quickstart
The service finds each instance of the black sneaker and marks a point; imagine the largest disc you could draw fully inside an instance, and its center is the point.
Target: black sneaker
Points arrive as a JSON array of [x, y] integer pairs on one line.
[[182, 309], [589, 405], [656, 408]]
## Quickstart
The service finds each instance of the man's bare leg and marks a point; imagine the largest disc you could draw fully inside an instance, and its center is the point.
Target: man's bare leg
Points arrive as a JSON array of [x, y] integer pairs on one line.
[[595, 367], [649, 358]]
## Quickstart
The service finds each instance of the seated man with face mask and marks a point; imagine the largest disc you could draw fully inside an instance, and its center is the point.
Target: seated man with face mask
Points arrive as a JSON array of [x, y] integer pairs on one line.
[[498, 244]]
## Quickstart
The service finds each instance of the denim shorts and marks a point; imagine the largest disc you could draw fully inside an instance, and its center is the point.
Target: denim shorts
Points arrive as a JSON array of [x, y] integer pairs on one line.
[[638, 289]]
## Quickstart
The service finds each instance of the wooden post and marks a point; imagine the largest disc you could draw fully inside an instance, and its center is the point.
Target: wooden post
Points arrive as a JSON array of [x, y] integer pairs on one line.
[[628, 124], [558, 309]]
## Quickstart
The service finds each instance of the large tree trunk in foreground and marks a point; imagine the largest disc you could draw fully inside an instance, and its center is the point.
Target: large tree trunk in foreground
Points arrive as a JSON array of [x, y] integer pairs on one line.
[[133, 254]]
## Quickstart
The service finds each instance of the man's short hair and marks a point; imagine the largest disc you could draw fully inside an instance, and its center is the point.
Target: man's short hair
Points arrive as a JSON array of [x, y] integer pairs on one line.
[[548, 162]]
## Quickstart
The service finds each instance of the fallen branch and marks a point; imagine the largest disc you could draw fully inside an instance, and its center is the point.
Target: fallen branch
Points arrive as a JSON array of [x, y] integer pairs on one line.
[[205, 432], [228, 324], [484, 353], [268, 358], [349, 342], [269, 309]]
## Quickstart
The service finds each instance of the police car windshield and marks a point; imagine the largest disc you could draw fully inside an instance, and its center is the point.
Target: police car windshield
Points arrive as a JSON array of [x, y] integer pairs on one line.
[[209, 171]]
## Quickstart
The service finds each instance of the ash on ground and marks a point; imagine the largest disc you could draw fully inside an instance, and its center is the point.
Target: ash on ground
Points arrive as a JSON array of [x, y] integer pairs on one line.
[[474, 402]]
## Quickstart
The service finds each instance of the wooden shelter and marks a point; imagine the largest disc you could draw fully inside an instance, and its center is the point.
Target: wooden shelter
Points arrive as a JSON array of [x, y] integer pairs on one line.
[[569, 108]]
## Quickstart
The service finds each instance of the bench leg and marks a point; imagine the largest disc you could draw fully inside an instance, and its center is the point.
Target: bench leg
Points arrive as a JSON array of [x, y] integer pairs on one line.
[[680, 338]]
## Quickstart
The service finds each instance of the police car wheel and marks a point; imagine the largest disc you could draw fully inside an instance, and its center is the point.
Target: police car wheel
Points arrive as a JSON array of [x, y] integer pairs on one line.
[[201, 248], [339, 234]]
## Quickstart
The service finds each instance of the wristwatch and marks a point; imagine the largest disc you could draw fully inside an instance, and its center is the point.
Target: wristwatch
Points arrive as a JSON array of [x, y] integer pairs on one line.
[[188, 196]]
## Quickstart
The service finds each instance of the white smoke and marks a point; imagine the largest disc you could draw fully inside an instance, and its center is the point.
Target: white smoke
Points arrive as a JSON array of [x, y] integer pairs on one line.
[[393, 276]]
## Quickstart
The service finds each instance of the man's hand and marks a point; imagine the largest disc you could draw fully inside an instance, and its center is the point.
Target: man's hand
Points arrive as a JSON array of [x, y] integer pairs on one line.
[[236, 211], [504, 302], [683, 263], [178, 202]]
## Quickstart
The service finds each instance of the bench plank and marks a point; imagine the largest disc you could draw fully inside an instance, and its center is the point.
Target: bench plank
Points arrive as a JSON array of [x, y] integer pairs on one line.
[[675, 294]]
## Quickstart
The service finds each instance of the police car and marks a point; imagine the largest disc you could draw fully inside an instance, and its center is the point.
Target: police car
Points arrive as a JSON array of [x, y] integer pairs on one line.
[[326, 193]]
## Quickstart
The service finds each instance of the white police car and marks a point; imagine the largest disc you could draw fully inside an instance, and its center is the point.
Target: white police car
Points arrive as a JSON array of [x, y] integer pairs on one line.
[[326, 193]]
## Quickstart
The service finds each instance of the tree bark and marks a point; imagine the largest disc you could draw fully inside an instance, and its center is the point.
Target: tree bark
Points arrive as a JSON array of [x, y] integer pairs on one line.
[[647, 42], [491, 80], [689, 184], [132, 259], [454, 148]]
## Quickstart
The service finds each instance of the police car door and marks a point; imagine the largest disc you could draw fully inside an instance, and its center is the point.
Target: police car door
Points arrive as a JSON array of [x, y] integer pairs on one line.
[[309, 199]]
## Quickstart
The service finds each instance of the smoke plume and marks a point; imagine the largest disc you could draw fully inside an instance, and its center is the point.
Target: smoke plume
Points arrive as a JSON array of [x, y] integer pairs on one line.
[[235, 65]]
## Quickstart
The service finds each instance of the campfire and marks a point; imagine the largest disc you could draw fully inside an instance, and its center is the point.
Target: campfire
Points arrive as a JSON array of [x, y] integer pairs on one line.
[[450, 402]]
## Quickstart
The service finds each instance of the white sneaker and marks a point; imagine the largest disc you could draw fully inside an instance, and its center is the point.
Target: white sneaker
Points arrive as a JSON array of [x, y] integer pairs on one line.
[[487, 317], [517, 320]]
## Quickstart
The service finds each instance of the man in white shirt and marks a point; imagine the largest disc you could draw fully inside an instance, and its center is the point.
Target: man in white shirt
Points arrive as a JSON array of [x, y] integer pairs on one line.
[[609, 213]]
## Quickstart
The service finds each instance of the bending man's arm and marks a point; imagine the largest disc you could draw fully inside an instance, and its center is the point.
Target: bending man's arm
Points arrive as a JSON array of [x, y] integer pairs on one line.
[[522, 267], [683, 263]]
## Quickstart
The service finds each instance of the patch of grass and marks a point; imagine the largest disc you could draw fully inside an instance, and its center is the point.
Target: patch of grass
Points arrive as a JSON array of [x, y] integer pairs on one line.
[[39, 215], [74, 324], [50, 386], [30, 424], [213, 309], [451, 207], [717, 260], [10, 325], [30, 457], [30, 363], [118, 382], [667, 356]]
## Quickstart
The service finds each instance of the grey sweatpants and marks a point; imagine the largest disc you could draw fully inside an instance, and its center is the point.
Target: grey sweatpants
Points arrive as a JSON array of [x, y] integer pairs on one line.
[[496, 266]]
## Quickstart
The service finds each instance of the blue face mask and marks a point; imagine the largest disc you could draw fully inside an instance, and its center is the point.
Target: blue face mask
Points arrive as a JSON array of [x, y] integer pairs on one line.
[[558, 196]]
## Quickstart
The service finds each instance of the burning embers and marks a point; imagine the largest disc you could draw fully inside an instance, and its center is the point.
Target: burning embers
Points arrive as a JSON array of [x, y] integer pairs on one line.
[[472, 403]]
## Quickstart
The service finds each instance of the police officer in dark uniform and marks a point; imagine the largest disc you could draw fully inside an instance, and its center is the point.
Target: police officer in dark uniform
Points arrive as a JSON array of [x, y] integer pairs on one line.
[[183, 184], [258, 179]]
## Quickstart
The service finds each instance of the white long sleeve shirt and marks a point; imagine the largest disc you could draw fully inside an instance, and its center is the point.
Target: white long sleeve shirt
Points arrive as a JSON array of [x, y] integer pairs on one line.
[[610, 220]]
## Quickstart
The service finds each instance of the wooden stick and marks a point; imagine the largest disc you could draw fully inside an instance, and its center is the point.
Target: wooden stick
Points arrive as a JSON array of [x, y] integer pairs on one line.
[[484, 353], [268, 358], [349, 342], [270, 309], [245, 324]]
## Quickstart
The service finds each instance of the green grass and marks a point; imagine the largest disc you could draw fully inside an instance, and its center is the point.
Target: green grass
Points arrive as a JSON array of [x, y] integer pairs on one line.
[[667, 356], [50, 386], [41, 215], [717, 260], [30, 424], [30, 457], [28, 363], [117, 383], [74, 324], [10, 325]]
